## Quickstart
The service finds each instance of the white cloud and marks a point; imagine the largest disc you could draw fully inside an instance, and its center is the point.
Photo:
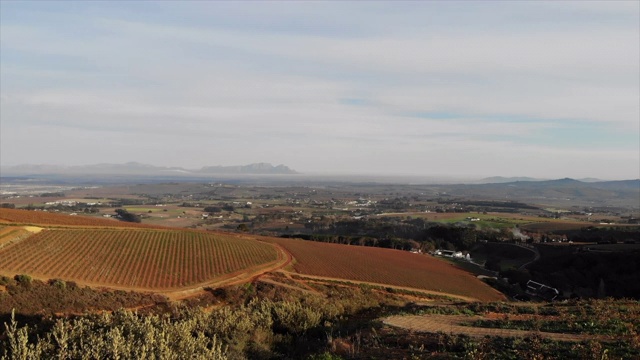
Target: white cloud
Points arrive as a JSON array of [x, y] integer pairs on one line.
[[257, 80]]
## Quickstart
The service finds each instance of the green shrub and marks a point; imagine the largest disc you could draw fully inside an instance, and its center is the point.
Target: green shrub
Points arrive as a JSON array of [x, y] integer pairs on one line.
[[294, 317], [121, 335], [23, 280], [60, 284]]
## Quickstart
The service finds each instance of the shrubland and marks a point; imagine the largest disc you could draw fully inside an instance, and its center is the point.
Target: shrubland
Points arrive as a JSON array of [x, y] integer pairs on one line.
[[256, 322], [264, 321]]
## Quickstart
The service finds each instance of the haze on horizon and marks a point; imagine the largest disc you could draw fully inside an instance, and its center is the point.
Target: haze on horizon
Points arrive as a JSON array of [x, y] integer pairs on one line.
[[540, 89]]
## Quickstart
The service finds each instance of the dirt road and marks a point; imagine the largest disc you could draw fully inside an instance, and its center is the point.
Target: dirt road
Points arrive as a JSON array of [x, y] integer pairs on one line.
[[454, 324]]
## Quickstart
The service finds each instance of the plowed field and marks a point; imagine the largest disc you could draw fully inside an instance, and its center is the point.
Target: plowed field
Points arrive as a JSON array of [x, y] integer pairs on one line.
[[385, 266], [134, 258]]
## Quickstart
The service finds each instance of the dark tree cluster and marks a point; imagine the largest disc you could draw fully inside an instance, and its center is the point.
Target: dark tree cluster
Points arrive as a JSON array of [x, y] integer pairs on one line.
[[124, 215]]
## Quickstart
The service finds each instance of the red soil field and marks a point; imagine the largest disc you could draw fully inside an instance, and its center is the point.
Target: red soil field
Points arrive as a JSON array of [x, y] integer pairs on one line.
[[47, 218], [134, 258], [385, 266]]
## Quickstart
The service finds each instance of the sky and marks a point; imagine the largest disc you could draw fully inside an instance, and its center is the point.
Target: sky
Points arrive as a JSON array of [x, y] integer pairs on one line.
[[546, 89]]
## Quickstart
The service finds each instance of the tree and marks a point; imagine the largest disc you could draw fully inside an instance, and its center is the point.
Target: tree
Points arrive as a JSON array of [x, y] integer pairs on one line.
[[124, 215], [492, 264]]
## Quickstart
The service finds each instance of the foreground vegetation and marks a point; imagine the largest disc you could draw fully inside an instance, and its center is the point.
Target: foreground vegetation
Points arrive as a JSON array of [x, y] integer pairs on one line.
[[265, 321], [260, 322]]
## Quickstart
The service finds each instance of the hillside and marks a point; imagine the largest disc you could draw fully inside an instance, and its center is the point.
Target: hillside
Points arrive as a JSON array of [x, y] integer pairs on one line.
[[219, 295], [91, 252], [134, 259], [385, 266]]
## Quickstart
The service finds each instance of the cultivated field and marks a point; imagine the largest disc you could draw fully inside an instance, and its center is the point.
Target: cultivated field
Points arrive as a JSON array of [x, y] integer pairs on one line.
[[385, 266], [12, 216], [134, 258], [101, 252]]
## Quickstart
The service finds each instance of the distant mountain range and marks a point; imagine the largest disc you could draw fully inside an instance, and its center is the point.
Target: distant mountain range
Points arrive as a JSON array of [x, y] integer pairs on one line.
[[560, 191], [566, 183], [502, 180], [135, 168]]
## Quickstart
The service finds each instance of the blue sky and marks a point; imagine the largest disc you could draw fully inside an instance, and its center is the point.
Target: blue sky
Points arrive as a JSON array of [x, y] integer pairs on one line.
[[542, 89]]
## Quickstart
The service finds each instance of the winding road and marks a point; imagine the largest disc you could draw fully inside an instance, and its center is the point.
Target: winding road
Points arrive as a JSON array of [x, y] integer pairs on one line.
[[535, 258]]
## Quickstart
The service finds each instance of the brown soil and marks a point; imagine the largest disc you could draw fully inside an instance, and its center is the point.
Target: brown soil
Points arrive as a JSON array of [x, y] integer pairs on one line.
[[385, 267]]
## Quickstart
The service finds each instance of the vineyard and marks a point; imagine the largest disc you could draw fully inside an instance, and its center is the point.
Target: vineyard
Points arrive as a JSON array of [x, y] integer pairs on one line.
[[385, 266], [102, 252], [47, 218], [134, 258]]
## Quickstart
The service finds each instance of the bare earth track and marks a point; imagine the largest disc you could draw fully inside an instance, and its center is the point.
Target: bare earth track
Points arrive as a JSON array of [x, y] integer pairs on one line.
[[325, 279], [452, 324]]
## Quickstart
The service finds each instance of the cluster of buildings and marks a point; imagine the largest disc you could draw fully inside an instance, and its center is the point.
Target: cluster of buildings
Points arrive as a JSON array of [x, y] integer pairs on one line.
[[453, 254]]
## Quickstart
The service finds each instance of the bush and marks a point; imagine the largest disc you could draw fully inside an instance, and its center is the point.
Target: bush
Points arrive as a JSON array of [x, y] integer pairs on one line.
[[23, 280], [123, 334], [60, 284], [294, 317]]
